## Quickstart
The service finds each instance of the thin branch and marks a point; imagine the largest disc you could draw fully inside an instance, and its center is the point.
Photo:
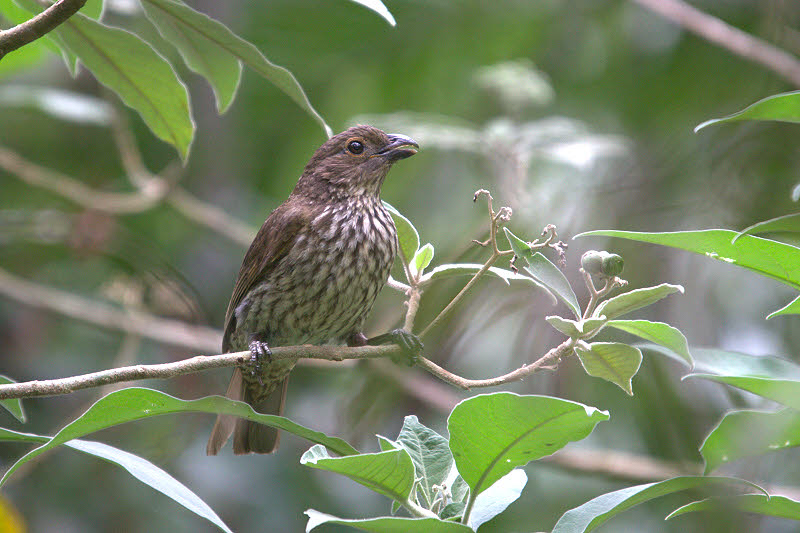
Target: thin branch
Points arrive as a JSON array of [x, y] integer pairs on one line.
[[727, 36], [211, 216], [173, 332], [54, 387], [38, 26]]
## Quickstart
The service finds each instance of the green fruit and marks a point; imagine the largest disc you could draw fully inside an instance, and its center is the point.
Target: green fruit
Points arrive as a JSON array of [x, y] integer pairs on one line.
[[592, 262], [612, 265]]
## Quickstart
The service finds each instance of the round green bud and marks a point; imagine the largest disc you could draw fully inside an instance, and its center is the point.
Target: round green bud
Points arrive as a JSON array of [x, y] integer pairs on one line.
[[592, 262], [612, 265]]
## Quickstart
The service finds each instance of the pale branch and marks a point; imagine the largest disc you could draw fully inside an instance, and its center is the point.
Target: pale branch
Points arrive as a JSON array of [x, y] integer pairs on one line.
[[728, 37], [211, 216], [38, 26], [54, 387], [173, 332]]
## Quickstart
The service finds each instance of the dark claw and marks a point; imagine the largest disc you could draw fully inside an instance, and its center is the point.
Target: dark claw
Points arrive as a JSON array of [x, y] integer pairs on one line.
[[258, 352], [408, 342]]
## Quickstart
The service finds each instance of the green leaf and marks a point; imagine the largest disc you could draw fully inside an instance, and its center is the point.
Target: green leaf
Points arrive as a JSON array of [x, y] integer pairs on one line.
[[778, 506], [497, 498], [140, 468], [611, 361], [792, 308], [217, 40], [748, 433], [545, 272], [131, 404], [627, 302], [390, 473], [430, 454], [407, 234], [12, 406], [657, 332], [378, 7], [783, 391], [783, 107], [143, 79], [773, 259], [784, 224], [17, 13], [388, 524], [204, 44], [593, 513], [422, 259], [565, 326], [491, 434], [470, 269]]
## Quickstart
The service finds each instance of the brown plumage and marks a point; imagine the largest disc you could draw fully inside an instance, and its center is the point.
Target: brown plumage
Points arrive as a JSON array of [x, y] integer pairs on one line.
[[311, 274]]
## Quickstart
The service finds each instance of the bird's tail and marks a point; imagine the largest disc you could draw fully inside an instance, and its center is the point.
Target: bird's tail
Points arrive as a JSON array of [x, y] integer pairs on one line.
[[248, 437]]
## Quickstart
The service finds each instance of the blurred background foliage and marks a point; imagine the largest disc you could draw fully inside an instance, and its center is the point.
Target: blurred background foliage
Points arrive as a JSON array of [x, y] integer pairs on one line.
[[578, 114]]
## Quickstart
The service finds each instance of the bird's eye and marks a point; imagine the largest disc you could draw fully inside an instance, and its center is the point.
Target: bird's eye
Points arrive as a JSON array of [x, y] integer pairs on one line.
[[355, 147]]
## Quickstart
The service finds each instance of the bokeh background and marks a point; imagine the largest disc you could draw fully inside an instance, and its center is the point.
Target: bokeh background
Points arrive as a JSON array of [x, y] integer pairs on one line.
[[575, 113]]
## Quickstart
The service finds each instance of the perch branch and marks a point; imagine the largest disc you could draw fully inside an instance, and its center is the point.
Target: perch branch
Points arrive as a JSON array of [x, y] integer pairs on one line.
[[38, 26]]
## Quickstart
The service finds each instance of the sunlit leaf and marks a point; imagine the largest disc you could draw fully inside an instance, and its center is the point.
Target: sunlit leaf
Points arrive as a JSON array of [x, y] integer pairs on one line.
[[783, 107], [498, 497], [778, 506], [657, 332], [785, 224], [630, 301], [422, 259], [393, 524], [611, 361], [378, 7]]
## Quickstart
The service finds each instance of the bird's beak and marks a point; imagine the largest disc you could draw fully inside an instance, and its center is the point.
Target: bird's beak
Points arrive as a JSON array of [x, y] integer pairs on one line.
[[399, 147]]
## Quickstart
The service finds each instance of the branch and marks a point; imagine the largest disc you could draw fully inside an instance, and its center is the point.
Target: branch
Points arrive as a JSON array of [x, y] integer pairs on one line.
[[729, 37], [38, 26]]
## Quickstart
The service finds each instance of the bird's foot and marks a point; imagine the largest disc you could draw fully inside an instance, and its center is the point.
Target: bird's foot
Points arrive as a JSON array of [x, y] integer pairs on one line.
[[408, 342], [259, 351]]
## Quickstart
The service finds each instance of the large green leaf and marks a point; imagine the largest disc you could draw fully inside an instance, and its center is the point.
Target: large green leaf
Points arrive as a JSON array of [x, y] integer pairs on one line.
[[773, 259], [498, 497], [783, 391], [142, 78], [389, 472], [140, 468], [778, 506], [630, 301], [388, 524], [747, 433], [783, 107], [131, 404], [202, 42], [12, 406], [612, 361], [657, 332], [593, 513], [491, 434]]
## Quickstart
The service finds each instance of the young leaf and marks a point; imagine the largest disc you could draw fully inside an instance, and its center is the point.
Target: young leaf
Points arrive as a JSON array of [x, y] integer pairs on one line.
[[611, 361], [627, 302], [657, 332], [378, 7], [497, 498], [768, 258], [778, 506], [392, 524], [390, 473], [140, 468], [204, 44], [131, 404], [783, 107], [430, 454], [593, 513], [565, 326], [422, 259], [143, 79], [491, 434], [406, 234], [785, 224], [748, 433], [470, 269], [521, 248], [12, 406]]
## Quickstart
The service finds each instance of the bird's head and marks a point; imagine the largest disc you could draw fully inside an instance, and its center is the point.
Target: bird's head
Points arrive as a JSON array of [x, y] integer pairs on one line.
[[354, 162]]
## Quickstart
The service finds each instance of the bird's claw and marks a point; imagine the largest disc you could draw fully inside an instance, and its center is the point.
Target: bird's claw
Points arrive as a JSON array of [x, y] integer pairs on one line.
[[408, 342], [259, 351]]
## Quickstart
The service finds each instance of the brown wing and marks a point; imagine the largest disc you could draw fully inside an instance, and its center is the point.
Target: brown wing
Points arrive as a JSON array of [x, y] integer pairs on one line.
[[272, 242]]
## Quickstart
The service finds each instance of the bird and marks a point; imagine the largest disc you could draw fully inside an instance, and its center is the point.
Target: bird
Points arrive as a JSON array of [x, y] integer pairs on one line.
[[311, 275]]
